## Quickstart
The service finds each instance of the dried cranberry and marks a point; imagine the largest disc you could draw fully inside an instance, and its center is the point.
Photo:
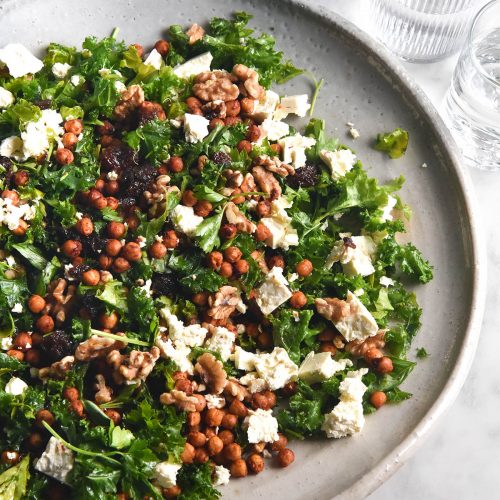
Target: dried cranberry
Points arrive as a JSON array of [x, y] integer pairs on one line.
[[165, 284], [221, 158], [93, 243], [44, 103], [77, 271], [57, 344], [92, 304], [135, 181], [127, 201], [118, 157], [305, 176]]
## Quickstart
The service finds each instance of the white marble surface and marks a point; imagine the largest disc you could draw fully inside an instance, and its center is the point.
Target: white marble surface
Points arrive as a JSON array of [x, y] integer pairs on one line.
[[460, 457]]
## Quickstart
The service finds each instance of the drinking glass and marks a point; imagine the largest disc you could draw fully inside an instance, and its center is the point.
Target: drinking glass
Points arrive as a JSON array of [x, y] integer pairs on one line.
[[422, 30], [472, 104]]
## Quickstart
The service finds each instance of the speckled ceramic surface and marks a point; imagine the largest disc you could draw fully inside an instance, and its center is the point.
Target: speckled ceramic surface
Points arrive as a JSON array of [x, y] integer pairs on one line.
[[364, 87]]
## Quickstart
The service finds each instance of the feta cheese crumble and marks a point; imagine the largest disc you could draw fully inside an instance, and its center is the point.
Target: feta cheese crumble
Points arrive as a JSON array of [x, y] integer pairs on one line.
[[11, 215], [222, 476], [318, 367], [387, 208], [76, 80], [355, 261], [60, 70], [19, 60], [273, 292], [292, 104], [191, 336], [179, 354], [154, 59], [214, 401], [261, 426], [6, 343], [185, 220], [6, 98], [12, 147], [194, 66], [264, 108], [195, 127], [385, 281], [283, 234], [165, 474], [221, 341], [56, 461], [275, 368], [18, 308], [273, 130], [37, 136], [15, 386], [294, 149], [340, 162]]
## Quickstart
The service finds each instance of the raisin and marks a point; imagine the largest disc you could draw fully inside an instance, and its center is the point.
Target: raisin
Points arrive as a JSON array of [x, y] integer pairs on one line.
[[135, 181], [57, 344], [93, 243], [118, 157], [304, 176], [92, 304], [5, 162], [77, 271], [165, 284], [44, 103], [221, 158]]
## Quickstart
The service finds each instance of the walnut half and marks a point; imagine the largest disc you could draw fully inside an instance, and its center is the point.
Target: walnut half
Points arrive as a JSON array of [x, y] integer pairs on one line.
[[96, 347], [180, 399], [215, 86], [234, 216], [224, 303], [212, 372]]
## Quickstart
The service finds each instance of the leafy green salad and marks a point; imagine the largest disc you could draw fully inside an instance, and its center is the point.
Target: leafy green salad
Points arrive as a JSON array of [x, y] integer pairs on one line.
[[188, 283]]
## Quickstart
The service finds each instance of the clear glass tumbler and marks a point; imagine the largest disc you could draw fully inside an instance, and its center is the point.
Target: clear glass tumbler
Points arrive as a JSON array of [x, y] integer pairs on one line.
[[472, 104], [422, 30]]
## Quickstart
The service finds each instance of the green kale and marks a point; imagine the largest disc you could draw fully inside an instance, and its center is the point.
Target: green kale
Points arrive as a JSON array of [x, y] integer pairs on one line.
[[32, 254], [196, 483], [114, 295], [13, 481], [152, 140], [208, 232], [142, 313], [393, 143]]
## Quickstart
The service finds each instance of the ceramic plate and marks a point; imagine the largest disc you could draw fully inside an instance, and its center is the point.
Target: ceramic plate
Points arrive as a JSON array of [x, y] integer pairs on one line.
[[363, 86]]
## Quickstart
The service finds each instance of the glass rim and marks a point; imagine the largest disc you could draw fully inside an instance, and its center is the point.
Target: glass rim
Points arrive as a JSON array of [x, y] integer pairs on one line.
[[478, 15]]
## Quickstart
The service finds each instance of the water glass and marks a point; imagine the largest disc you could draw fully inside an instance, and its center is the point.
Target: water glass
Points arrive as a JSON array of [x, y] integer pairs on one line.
[[472, 104], [422, 30]]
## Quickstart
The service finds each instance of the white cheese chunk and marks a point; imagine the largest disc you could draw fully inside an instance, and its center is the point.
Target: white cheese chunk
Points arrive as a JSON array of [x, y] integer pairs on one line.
[[283, 234], [360, 324], [253, 382], [178, 353], [273, 292], [56, 461], [191, 335], [261, 426], [222, 476], [273, 130], [275, 368], [194, 66], [6, 343], [355, 261], [385, 281], [19, 60], [15, 386], [318, 367], [243, 360], [37, 136], [387, 208], [76, 80], [294, 149], [165, 474], [221, 341], [185, 220], [154, 59], [12, 147], [120, 86], [18, 308], [292, 104], [195, 127], [60, 70], [340, 162], [10, 215], [214, 401], [264, 109], [6, 98]]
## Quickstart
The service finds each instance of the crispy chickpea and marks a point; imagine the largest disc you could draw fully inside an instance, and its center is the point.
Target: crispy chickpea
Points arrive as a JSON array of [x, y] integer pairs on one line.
[[226, 436], [77, 408], [232, 451], [112, 202], [107, 140], [113, 415], [298, 300], [271, 398], [372, 354], [327, 335], [215, 260], [264, 208], [241, 267], [200, 299], [213, 417], [265, 340], [229, 421], [120, 265], [111, 187], [260, 400], [383, 365], [232, 254], [172, 492], [233, 108], [45, 324], [328, 347], [238, 408], [113, 247], [140, 51], [280, 444], [193, 417], [64, 156], [215, 122], [255, 463], [276, 261], [35, 441], [44, 415], [239, 468], [378, 399], [22, 341], [108, 320], [214, 445], [253, 133], [187, 456], [276, 148], [226, 270], [14, 353], [21, 178], [285, 457], [197, 439], [71, 393], [203, 208], [71, 248], [189, 199], [171, 240], [162, 46], [7, 194], [91, 277], [116, 229], [105, 261], [69, 140], [74, 126], [77, 261], [202, 402], [93, 197], [36, 339], [244, 145], [229, 121], [85, 226], [133, 222], [10, 457], [304, 268], [193, 103], [34, 357], [262, 232], [228, 231], [20, 229], [201, 456], [36, 304], [247, 105], [175, 164], [132, 251]]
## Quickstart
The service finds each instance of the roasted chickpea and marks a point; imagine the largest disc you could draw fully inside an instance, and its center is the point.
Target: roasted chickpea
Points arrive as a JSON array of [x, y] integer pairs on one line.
[[113, 415], [172, 492], [36, 339], [215, 122], [214, 445], [255, 463], [112, 187], [22, 341], [244, 145], [229, 421], [232, 254], [276, 148], [85, 226], [203, 208], [228, 231], [112, 202], [280, 444], [133, 222], [262, 232], [253, 133], [201, 456], [229, 121], [10, 457], [77, 261], [21, 229], [71, 393], [226, 436], [105, 261], [120, 265], [285, 457], [233, 108], [107, 140], [132, 251], [241, 267], [372, 354], [91, 277], [14, 353], [76, 407], [383, 365], [189, 199], [232, 451], [247, 105], [71, 248], [64, 156], [108, 321], [44, 416], [264, 208], [239, 468], [162, 46], [197, 439], [34, 357], [35, 441], [260, 400], [113, 247], [187, 456], [45, 324], [193, 417], [304, 268], [36, 304], [21, 178], [171, 240], [175, 164], [238, 408], [158, 250], [12, 196], [69, 140], [298, 300], [74, 126], [265, 340], [327, 335], [276, 261], [200, 299], [328, 347], [140, 51], [215, 260], [193, 103], [226, 270], [271, 398], [116, 229], [213, 417], [378, 399]]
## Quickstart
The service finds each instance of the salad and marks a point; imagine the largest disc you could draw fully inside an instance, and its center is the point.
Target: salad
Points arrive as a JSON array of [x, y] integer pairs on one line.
[[188, 283]]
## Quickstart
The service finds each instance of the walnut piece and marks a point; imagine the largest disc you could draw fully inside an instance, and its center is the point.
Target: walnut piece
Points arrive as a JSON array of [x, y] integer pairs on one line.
[[57, 370], [195, 33], [333, 309], [212, 372], [234, 178], [180, 399], [224, 303], [274, 164], [130, 100], [234, 216], [248, 185], [134, 367], [60, 300], [215, 86], [261, 261], [267, 182], [359, 348], [104, 393], [250, 79], [97, 347], [235, 390]]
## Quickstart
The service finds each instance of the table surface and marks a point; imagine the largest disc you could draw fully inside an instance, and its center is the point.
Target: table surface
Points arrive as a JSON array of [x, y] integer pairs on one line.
[[460, 456]]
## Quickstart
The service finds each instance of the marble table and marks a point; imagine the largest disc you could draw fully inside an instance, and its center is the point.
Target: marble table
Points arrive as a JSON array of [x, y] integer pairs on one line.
[[460, 457]]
